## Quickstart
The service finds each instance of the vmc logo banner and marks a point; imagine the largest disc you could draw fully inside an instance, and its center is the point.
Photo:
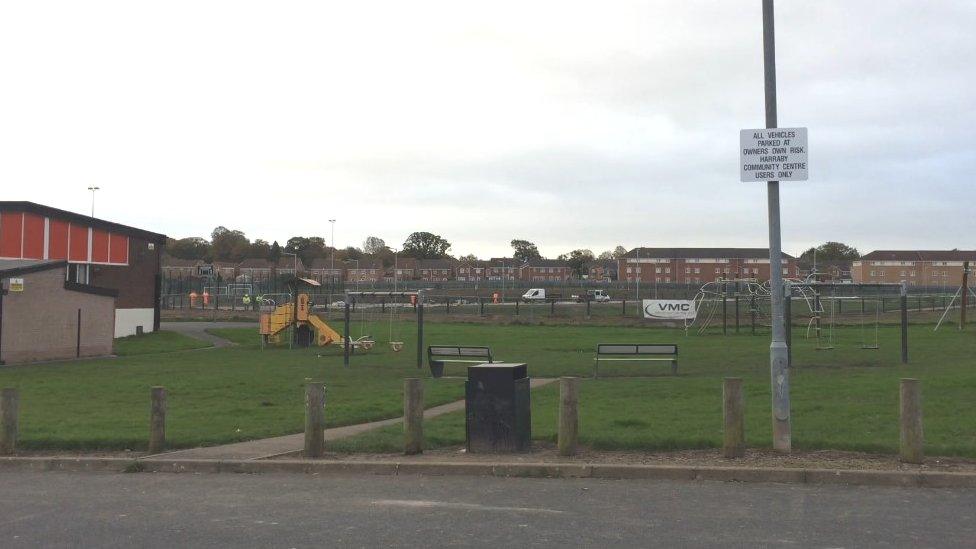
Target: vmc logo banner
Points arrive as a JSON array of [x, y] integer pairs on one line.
[[669, 309]]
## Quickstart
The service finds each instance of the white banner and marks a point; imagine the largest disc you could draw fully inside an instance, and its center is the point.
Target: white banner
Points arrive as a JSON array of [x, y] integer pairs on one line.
[[669, 309]]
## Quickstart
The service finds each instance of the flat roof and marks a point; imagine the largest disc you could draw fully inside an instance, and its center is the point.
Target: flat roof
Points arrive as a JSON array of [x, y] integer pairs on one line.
[[14, 267], [111, 226]]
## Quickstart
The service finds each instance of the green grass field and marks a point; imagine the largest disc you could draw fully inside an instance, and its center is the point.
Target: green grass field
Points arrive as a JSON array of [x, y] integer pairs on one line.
[[156, 342], [846, 398]]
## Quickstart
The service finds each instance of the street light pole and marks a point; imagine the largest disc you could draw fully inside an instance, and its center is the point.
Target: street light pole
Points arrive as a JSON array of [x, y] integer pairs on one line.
[[332, 263], [778, 351], [93, 189]]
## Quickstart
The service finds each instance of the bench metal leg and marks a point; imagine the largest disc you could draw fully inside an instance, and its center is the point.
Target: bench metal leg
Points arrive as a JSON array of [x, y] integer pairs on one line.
[[674, 367], [596, 368]]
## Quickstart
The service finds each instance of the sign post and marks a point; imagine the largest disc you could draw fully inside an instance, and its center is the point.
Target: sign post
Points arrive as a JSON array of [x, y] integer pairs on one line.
[[778, 351]]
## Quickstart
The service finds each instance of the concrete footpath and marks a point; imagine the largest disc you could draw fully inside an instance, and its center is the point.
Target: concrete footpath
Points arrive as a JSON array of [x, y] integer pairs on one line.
[[293, 444], [198, 330]]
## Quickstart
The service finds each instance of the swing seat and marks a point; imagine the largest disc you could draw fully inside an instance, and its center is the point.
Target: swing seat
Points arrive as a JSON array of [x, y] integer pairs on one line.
[[396, 346]]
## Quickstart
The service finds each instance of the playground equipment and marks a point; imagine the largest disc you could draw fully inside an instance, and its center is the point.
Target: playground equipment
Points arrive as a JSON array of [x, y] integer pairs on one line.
[[292, 321], [367, 307], [295, 318]]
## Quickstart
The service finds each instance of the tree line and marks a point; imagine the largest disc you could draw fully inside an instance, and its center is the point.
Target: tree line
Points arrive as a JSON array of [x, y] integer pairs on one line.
[[234, 246]]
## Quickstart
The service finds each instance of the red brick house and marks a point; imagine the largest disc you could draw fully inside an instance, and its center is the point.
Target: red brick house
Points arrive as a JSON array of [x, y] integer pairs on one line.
[[699, 265], [942, 268], [545, 270]]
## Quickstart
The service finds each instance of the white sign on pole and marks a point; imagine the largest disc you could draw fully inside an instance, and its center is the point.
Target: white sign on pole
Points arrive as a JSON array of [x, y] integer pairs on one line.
[[773, 154], [669, 309], [16, 284]]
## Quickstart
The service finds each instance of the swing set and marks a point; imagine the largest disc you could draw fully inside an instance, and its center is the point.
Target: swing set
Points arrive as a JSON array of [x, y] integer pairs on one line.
[[366, 310]]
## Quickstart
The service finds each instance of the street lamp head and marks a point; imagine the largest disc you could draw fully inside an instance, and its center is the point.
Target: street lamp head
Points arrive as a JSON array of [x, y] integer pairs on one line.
[[93, 188]]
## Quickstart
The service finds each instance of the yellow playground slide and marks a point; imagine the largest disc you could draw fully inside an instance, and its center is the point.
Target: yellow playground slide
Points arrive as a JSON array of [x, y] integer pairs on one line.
[[284, 316]]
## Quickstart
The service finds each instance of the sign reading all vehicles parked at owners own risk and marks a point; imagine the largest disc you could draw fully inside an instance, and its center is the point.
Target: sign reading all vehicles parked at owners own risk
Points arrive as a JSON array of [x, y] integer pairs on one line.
[[773, 154]]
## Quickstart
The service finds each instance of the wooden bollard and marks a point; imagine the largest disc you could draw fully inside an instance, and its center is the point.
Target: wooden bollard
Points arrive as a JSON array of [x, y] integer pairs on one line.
[[9, 402], [912, 438], [157, 419], [314, 419], [413, 416], [568, 415], [734, 440]]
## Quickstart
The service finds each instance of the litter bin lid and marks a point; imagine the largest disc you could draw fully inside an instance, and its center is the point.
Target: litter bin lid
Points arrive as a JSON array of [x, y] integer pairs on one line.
[[510, 370]]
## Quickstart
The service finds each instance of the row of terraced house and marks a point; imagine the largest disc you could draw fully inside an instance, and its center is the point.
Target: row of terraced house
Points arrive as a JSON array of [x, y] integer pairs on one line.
[[646, 265]]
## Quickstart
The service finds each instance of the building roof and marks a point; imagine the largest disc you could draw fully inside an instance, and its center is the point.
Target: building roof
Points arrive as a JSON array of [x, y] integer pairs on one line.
[[16, 267], [324, 263], [702, 253], [47, 211], [921, 255], [255, 263], [169, 261], [435, 264], [546, 263]]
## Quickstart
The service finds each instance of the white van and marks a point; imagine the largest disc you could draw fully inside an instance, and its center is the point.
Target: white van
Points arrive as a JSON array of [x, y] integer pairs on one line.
[[534, 294]]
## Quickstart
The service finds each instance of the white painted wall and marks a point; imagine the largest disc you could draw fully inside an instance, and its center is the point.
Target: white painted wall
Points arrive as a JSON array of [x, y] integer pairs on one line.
[[126, 321]]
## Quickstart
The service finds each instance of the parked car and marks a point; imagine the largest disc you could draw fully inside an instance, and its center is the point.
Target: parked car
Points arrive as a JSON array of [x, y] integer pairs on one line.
[[539, 294], [600, 296]]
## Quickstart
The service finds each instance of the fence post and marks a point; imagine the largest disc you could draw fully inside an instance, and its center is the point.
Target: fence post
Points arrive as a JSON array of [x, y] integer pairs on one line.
[[516, 306], [157, 419], [911, 437], [481, 306], [568, 415], [587, 307], [413, 416], [752, 312], [736, 314], [314, 419], [733, 414], [904, 323], [552, 308], [9, 404], [725, 316], [623, 308]]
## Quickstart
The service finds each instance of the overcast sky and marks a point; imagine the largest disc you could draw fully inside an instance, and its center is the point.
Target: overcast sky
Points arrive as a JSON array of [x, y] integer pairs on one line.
[[571, 124]]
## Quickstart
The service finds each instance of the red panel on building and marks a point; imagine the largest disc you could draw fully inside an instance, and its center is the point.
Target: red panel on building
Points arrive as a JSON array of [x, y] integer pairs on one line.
[[11, 233], [118, 248], [57, 247], [78, 243], [33, 236], [99, 246]]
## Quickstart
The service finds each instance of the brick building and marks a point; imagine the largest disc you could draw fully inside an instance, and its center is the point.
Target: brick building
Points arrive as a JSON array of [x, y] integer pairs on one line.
[[98, 252], [175, 267], [545, 270], [935, 268], [435, 270], [699, 265], [502, 268], [325, 269], [602, 270], [364, 270], [472, 271], [43, 316]]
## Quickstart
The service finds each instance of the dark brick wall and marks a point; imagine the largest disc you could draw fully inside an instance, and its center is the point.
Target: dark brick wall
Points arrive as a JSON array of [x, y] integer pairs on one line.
[[136, 282]]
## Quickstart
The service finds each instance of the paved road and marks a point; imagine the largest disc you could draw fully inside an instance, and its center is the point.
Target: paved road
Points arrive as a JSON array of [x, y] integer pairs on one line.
[[198, 330], [184, 510]]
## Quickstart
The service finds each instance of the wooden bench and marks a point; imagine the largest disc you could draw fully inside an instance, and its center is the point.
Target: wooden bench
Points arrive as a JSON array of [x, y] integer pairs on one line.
[[437, 355], [636, 352]]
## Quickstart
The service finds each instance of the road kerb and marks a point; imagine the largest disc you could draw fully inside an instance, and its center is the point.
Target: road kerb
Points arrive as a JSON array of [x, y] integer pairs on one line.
[[927, 479]]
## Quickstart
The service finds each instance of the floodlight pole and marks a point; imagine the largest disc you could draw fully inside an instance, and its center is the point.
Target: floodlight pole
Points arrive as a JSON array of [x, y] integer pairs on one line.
[[778, 350]]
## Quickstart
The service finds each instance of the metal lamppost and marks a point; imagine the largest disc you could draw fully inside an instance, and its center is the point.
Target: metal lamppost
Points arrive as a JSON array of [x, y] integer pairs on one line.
[[778, 351], [332, 263], [93, 189]]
